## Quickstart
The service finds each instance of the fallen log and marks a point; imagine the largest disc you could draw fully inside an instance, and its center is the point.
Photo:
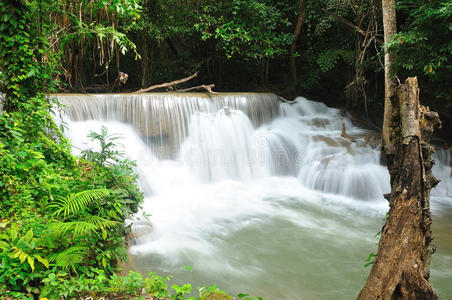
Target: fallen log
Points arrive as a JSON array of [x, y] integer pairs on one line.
[[167, 84], [208, 88]]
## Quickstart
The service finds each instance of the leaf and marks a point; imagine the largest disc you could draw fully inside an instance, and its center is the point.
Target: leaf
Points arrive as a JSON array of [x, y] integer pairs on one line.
[[104, 234], [28, 236], [31, 262], [13, 234], [69, 258], [4, 245], [43, 261], [75, 203], [22, 256], [16, 254], [104, 262], [22, 154]]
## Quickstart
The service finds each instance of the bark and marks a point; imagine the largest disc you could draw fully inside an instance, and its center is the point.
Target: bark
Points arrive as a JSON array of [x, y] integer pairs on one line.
[[293, 46], [402, 266], [167, 84], [390, 28]]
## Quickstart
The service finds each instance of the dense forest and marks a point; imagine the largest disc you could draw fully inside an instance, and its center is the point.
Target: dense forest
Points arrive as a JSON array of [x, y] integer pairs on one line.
[[335, 46], [62, 217]]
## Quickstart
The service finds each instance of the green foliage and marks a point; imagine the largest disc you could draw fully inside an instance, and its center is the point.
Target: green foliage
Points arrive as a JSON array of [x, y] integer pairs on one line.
[[74, 203], [22, 258], [328, 59], [21, 52], [74, 231], [96, 283], [107, 145], [157, 286], [424, 46], [251, 29], [181, 290], [212, 293], [370, 260], [247, 297]]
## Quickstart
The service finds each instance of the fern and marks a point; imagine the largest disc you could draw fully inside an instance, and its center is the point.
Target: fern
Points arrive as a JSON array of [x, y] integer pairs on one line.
[[74, 203], [85, 226], [69, 257]]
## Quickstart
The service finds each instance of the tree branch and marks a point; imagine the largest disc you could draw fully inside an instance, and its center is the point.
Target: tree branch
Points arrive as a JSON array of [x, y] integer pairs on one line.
[[349, 24], [208, 88], [167, 84]]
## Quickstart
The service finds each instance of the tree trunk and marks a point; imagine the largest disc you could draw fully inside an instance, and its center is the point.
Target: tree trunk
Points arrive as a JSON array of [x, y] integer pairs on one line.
[[293, 46], [390, 28], [402, 266]]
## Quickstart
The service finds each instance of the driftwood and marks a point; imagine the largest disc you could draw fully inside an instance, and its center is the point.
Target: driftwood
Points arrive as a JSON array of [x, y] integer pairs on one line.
[[208, 88], [167, 84], [345, 135], [402, 265]]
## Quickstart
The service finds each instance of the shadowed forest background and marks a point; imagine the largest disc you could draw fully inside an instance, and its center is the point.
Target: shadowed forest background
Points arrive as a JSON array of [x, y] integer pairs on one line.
[[247, 46]]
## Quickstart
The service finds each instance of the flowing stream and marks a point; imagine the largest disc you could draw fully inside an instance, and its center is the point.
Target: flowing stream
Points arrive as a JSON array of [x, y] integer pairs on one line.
[[256, 195]]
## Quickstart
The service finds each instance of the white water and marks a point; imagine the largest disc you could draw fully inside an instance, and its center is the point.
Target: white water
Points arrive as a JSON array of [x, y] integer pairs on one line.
[[256, 195]]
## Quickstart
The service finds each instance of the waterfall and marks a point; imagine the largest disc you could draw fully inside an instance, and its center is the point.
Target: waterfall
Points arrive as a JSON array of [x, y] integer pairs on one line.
[[240, 185], [244, 136], [162, 119]]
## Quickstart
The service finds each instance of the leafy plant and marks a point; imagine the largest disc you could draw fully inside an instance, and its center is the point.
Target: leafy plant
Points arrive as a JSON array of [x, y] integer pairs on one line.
[[181, 290], [75, 203], [370, 260], [157, 286], [248, 297]]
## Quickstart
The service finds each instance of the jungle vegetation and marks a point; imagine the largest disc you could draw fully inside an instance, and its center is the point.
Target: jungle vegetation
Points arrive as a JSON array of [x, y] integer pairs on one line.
[[62, 217]]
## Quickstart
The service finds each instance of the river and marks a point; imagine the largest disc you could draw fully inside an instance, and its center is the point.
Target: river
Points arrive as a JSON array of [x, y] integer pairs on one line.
[[256, 195]]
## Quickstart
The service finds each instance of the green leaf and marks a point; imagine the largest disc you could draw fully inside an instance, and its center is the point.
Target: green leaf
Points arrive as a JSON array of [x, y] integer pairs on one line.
[[43, 261], [31, 262], [104, 262], [28, 236], [22, 256], [75, 203], [13, 234]]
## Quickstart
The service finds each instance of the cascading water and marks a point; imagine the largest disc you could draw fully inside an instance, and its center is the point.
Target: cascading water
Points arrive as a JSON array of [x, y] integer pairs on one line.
[[256, 195]]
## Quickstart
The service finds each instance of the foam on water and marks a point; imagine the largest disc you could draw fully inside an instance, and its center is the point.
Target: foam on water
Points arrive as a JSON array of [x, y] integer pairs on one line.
[[250, 191]]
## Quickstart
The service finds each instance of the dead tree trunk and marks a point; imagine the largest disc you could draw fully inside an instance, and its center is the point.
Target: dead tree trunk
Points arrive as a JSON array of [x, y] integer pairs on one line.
[[402, 266]]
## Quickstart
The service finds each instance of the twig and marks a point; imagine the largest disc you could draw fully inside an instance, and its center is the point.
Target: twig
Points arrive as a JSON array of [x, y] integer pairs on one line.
[[350, 24]]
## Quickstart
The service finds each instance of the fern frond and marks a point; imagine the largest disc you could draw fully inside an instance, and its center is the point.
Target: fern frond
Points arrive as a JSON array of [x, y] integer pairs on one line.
[[100, 222], [75, 203], [85, 226], [69, 257]]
